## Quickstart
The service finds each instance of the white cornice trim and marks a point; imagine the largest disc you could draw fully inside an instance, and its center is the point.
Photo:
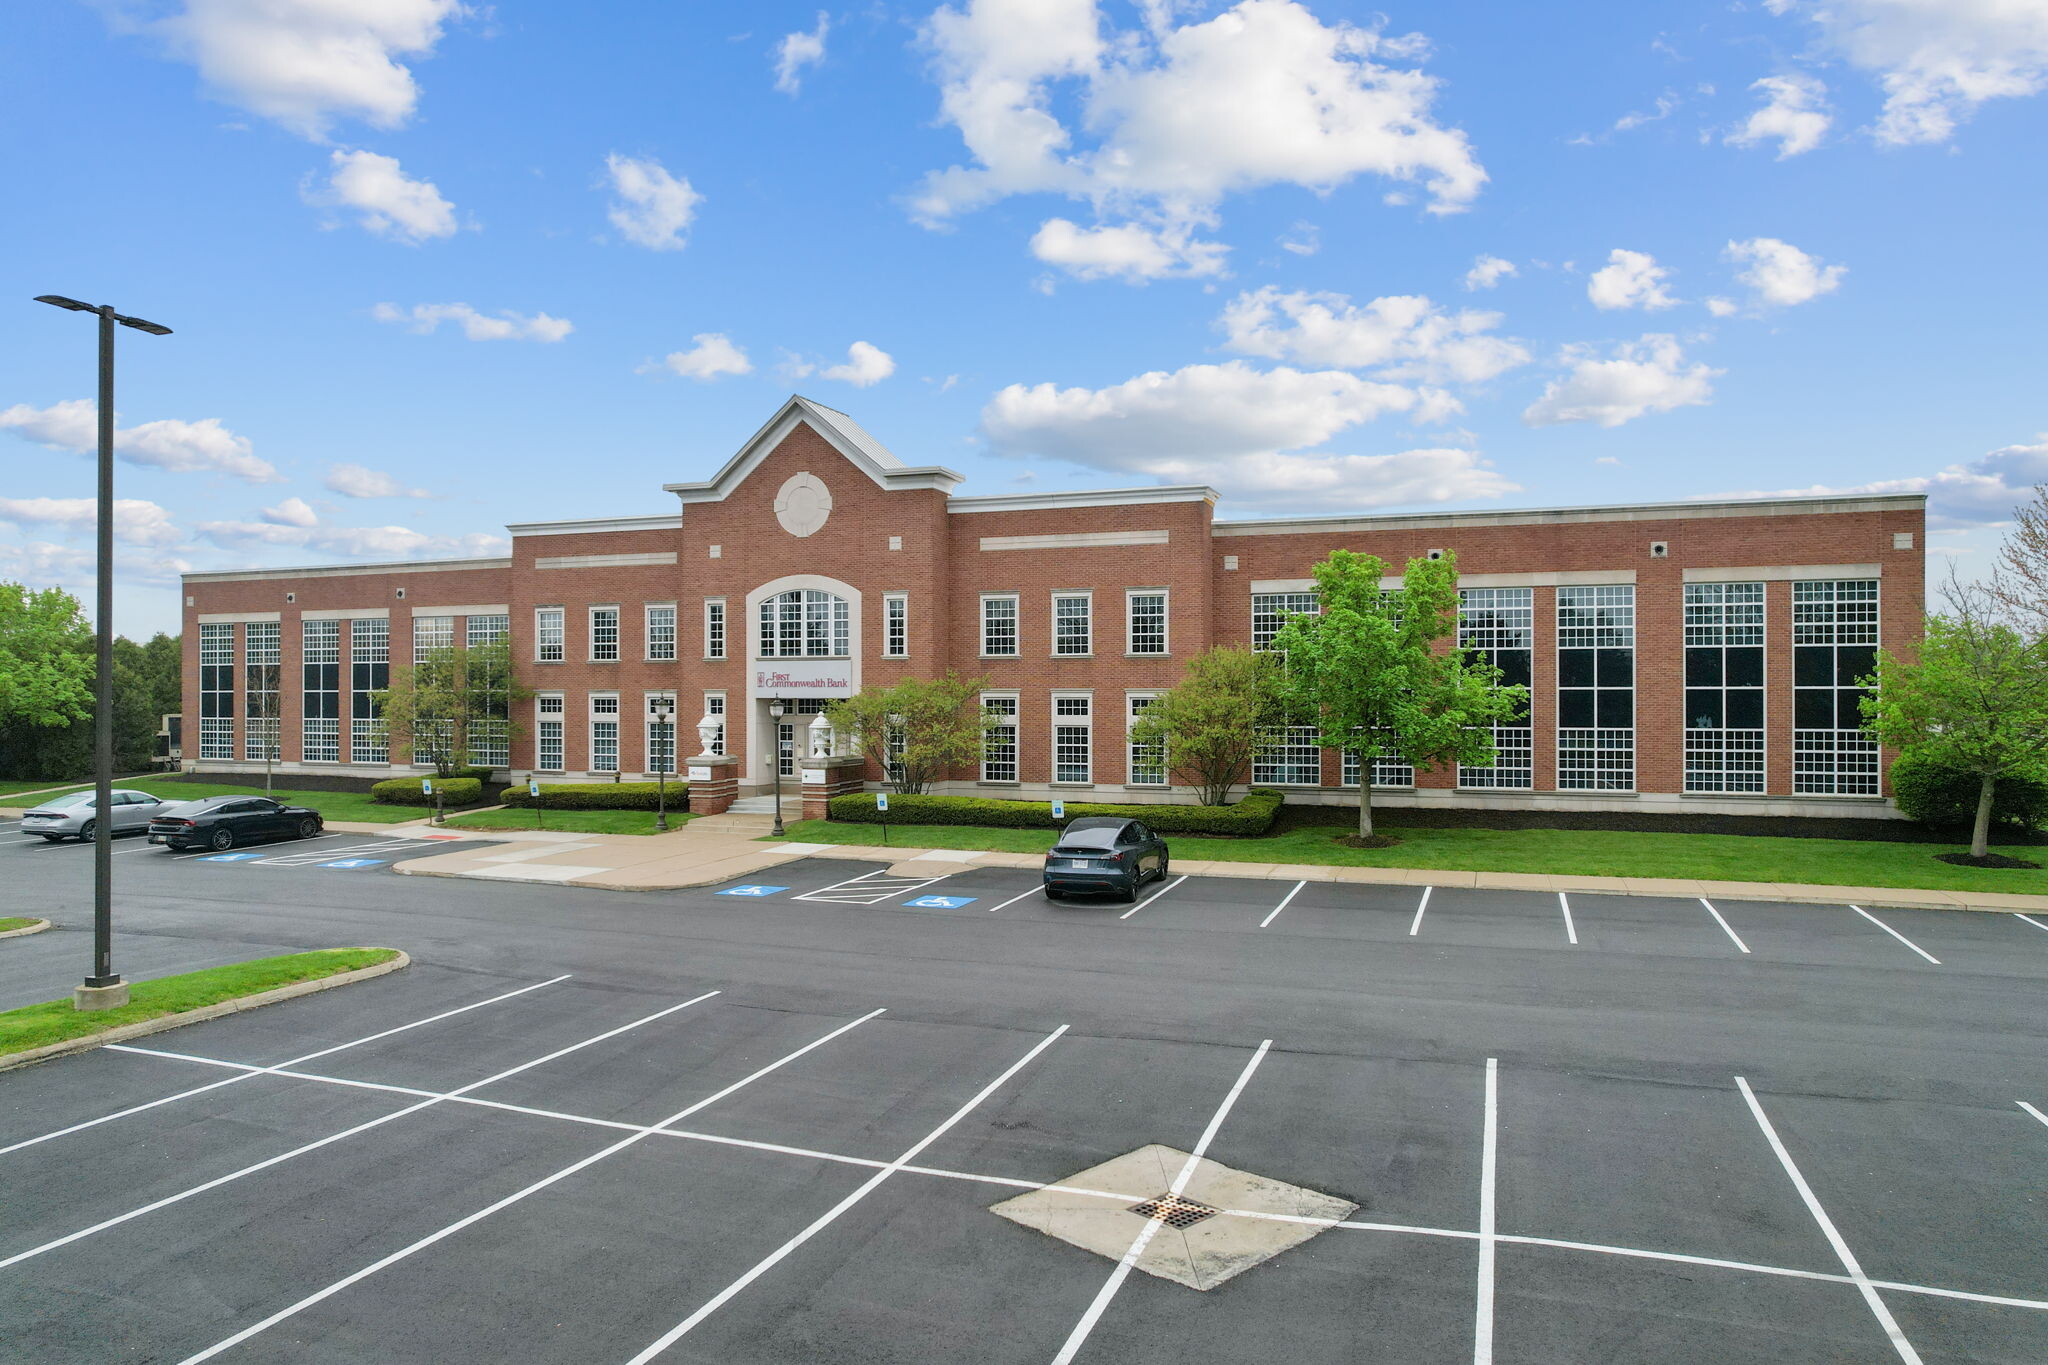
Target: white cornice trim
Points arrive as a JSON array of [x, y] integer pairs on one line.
[[347, 614], [344, 570], [1783, 573], [1097, 497], [1648, 511], [844, 434], [1075, 540], [1553, 578], [604, 561], [223, 618], [595, 526], [499, 610]]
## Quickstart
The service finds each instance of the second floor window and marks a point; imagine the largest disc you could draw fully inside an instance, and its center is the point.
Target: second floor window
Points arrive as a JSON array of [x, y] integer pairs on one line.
[[895, 626], [999, 625], [805, 624], [661, 632], [604, 634], [714, 627], [548, 633], [1148, 623], [1070, 624]]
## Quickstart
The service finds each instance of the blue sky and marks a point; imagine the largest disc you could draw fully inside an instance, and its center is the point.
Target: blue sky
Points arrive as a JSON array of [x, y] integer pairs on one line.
[[433, 268]]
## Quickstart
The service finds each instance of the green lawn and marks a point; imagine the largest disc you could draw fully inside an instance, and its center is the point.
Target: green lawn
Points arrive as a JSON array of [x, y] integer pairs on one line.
[[9, 788], [15, 922], [331, 805], [580, 821], [56, 1021], [1593, 853]]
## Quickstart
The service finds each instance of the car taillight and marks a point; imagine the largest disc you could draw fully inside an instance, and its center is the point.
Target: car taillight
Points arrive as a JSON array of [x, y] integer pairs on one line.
[[172, 820]]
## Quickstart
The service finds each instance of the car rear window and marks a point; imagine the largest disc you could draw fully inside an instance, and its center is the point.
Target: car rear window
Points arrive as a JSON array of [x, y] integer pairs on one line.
[[1088, 840]]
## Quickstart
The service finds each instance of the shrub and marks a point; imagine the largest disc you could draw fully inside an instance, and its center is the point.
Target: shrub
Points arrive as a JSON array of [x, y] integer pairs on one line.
[[599, 796], [408, 791], [1935, 794], [1253, 815]]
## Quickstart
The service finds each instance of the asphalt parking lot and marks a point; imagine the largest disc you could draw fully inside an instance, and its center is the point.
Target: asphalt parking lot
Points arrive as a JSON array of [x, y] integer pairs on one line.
[[770, 1126]]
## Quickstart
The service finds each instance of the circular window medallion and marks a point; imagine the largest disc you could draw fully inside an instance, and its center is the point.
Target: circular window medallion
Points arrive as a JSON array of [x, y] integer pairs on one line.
[[803, 504]]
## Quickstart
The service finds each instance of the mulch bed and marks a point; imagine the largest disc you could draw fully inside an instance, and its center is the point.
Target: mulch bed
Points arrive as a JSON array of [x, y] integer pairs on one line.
[[1294, 817], [1988, 860], [1366, 840]]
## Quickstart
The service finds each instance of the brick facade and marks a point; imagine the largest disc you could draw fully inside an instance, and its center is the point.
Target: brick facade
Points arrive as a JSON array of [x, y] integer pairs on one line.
[[893, 530]]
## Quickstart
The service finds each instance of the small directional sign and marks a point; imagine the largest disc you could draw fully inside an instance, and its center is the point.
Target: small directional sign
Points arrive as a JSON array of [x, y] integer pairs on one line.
[[1059, 809], [229, 857], [941, 902], [355, 862], [752, 890]]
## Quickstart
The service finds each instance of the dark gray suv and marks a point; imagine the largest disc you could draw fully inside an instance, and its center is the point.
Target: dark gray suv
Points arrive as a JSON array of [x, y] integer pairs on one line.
[[1104, 854]]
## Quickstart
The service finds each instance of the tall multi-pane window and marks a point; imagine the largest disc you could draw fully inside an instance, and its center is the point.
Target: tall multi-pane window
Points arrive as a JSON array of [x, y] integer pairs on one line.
[[805, 623], [895, 626], [714, 706], [661, 631], [431, 736], [262, 657], [1834, 647], [550, 635], [320, 699], [1073, 748], [999, 749], [547, 737], [1293, 758], [490, 733], [370, 665], [1386, 771], [1499, 626], [216, 690], [1145, 613], [1270, 611], [604, 634], [604, 732], [661, 732], [1147, 761], [1596, 688], [430, 633], [999, 625], [1072, 627], [714, 627], [1724, 687]]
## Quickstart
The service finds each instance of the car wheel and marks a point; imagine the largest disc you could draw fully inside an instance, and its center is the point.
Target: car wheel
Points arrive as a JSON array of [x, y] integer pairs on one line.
[[309, 828], [85, 831], [1162, 869], [223, 839], [1130, 888]]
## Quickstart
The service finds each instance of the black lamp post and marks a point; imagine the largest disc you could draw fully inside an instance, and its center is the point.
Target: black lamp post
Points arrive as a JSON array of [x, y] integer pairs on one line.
[[104, 989], [776, 710], [664, 719]]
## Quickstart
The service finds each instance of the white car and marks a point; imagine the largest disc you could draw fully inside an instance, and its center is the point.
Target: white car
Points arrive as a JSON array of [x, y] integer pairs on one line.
[[74, 816]]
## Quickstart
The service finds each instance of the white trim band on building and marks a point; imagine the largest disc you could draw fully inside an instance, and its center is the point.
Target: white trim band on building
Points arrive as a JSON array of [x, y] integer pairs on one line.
[[1563, 578], [224, 618], [1077, 540], [594, 526], [1095, 497], [347, 614], [499, 610], [1557, 516], [604, 561], [344, 570], [1784, 573]]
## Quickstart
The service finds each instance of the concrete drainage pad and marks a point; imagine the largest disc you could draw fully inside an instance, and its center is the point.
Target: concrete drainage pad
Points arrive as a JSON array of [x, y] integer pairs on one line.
[[1105, 1208]]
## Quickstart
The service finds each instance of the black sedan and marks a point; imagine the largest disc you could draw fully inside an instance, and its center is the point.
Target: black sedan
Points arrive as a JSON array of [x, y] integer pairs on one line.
[[1104, 853], [221, 822]]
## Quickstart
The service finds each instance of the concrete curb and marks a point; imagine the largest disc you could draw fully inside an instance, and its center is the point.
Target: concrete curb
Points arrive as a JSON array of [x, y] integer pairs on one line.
[[35, 928], [146, 1027]]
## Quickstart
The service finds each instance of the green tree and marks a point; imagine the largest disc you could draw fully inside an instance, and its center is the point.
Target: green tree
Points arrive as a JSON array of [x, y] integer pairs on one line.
[[1369, 669], [46, 657], [1212, 723], [1974, 697], [916, 730], [442, 705]]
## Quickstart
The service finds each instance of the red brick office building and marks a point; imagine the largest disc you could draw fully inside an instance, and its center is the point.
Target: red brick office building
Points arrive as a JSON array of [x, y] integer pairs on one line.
[[1693, 656]]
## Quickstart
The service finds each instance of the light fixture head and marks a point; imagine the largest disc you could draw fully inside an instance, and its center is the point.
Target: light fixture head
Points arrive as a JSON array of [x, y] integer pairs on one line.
[[59, 301], [155, 329], [776, 708]]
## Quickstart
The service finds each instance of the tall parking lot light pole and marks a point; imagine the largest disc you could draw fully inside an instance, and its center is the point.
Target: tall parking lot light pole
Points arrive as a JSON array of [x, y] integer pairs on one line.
[[776, 710], [104, 988]]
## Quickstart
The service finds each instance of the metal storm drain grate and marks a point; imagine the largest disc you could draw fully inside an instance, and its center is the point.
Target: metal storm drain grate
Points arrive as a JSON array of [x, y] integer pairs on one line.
[[1175, 1211]]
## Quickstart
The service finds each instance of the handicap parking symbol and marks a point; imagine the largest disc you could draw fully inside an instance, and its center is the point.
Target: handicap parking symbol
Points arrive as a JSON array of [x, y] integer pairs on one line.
[[942, 902], [752, 890], [228, 857], [355, 862]]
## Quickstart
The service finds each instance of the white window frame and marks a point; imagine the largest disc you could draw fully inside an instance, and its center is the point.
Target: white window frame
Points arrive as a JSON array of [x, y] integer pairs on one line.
[[1016, 625], [1132, 709], [429, 633], [715, 623], [1087, 600], [895, 625], [550, 713], [1085, 721], [1015, 706], [1131, 596], [651, 736], [595, 612], [649, 612], [714, 705], [541, 631], [612, 717], [1306, 604]]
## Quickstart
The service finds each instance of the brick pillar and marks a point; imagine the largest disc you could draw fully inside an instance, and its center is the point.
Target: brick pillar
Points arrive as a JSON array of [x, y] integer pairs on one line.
[[825, 778], [714, 783]]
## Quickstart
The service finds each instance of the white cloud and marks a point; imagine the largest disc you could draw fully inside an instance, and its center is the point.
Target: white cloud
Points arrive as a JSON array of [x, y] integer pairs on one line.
[[653, 208], [1937, 60], [1304, 240], [797, 51], [1781, 274], [1982, 492], [506, 326], [866, 365], [181, 447], [1488, 271], [1649, 375], [357, 481], [1405, 336], [1723, 308], [1179, 117], [1126, 251], [385, 201], [42, 561], [136, 521], [713, 355], [1630, 279], [1665, 104], [1795, 112], [351, 542], [292, 512], [305, 63]]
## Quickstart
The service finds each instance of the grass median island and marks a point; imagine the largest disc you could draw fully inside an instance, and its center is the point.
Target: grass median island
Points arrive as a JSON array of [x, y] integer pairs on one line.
[[1573, 852], [55, 1021], [8, 922], [331, 805], [576, 821]]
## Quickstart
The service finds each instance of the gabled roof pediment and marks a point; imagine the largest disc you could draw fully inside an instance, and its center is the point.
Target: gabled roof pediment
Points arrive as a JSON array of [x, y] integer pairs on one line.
[[844, 434]]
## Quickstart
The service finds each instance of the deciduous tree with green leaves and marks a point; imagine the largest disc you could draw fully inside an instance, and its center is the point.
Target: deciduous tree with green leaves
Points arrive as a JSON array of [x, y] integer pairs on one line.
[[916, 730], [439, 705], [1213, 722], [1973, 695], [46, 657], [1368, 670]]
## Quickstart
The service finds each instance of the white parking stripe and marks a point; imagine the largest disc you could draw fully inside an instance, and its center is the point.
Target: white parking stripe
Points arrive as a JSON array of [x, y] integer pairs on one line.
[[1827, 1227], [1416, 927], [1079, 1335], [1896, 934], [1014, 899], [296, 1061], [870, 888], [564, 1173], [2036, 923], [2032, 1110], [1571, 930], [1723, 923], [1153, 897], [1283, 904], [333, 1138], [1489, 1153], [768, 1263]]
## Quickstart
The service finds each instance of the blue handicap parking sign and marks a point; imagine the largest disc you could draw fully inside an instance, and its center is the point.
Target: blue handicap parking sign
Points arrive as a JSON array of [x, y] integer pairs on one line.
[[942, 902], [752, 890], [228, 857], [355, 862]]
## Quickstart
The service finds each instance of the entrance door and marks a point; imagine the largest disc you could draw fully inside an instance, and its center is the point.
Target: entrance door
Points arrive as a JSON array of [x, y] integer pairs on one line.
[[785, 748]]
